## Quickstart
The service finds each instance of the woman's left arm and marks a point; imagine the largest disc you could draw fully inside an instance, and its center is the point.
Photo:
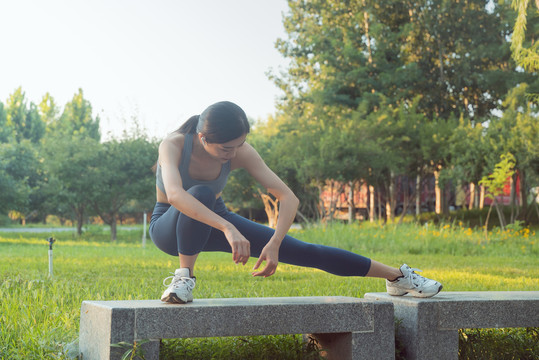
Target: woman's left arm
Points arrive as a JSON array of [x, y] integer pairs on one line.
[[248, 158]]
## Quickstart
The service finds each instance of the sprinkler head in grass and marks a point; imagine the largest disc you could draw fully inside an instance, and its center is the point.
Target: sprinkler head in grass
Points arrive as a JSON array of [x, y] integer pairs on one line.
[[51, 240]]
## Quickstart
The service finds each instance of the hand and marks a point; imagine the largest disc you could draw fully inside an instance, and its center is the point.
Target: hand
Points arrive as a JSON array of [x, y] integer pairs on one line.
[[241, 247], [270, 254]]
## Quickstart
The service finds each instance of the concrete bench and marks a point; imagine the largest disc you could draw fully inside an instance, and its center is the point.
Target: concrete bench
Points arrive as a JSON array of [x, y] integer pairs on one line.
[[349, 328], [429, 328]]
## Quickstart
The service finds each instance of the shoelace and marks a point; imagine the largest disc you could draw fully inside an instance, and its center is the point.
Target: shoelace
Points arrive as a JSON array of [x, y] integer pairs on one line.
[[176, 280], [416, 278]]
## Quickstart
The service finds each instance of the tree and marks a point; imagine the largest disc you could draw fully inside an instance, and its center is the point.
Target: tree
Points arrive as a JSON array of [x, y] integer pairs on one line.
[[5, 130], [71, 165], [454, 54], [21, 170], [495, 184], [277, 143], [71, 149], [469, 153], [13, 192], [516, 132], [350, 59], [23, 119], [76, 119], [48, 110], [123, 173], [524, 43], [20, 134], [240, 192], [462, 55]]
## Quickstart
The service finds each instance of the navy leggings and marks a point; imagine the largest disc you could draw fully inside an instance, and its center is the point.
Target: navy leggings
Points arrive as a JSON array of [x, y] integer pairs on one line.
[[174, 232]]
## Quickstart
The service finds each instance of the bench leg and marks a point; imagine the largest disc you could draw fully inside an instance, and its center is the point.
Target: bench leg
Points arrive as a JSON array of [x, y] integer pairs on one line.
[[100, 327], [151, 349], [418, 332], [95, 336], [352, 346], [430, 344], [335, 346], [378, 344]]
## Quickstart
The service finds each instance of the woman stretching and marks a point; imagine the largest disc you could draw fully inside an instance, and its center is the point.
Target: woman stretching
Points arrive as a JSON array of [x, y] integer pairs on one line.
[[190, 215]]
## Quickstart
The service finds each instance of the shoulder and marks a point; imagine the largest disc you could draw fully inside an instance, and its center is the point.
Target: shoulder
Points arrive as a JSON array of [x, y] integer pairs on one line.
[[246, 157], [171, 147], [173, 140]]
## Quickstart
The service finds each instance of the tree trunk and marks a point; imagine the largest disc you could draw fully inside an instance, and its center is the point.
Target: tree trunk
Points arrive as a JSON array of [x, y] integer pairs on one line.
[[271, 207], [445, 199], [437, 190], [523, 196], [389, 210], [303, 218], [372, 206], [404, 210], [113, 226], [486, 221], [512, 198], [378, 196], [476, 197], [418, 194], [472, 196], [501, 216], [392, 197], [406, 193], [322, 207], [482, 198], [79, 213], [331, 209], [351, 205]]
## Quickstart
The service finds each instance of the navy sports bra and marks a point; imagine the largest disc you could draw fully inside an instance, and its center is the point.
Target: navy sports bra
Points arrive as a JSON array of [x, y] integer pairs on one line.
[[216, 185]]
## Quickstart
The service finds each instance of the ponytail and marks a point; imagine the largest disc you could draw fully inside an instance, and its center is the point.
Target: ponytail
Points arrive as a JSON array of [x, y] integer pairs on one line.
[[190, 126]]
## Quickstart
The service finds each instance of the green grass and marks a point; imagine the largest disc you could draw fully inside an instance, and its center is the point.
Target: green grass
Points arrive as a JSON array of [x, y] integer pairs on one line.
[[39, 317]]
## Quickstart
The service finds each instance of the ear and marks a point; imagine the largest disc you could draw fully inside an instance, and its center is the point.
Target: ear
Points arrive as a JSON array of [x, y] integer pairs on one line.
[[202, 138]]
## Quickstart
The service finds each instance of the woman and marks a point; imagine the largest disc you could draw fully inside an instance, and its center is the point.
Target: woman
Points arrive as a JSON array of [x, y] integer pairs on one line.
[[190, 215]]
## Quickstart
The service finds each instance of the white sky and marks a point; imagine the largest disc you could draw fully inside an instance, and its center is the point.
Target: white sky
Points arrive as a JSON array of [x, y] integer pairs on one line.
[[158, 60]]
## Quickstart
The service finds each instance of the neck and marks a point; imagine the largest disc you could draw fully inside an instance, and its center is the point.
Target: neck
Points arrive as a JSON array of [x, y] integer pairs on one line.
[[200, 152]]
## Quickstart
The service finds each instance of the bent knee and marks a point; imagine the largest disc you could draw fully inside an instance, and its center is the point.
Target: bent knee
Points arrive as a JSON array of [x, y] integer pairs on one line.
[[203, 194]]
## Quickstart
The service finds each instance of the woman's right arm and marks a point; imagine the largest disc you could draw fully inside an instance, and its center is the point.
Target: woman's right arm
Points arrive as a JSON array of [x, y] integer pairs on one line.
[[169, 159]]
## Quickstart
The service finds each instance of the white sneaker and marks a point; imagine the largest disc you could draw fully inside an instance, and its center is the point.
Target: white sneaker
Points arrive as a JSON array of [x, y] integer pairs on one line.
[[180, 289], [412, 283]]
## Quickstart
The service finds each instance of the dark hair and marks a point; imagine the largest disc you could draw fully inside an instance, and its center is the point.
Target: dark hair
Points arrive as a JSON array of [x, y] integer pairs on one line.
[[220, 123]]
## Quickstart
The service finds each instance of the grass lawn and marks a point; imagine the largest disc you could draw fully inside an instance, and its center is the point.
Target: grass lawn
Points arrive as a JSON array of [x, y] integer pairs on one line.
[[39, 317]]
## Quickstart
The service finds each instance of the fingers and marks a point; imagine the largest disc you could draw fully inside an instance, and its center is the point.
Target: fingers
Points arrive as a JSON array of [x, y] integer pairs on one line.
[[268, 270], [258, 262], [241, 253]]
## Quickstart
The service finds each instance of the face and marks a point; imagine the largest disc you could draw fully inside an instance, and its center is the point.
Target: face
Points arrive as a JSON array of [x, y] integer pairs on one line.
[[223, 152]]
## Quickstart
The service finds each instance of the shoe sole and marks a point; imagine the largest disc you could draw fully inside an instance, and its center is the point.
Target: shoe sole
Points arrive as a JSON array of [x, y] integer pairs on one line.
[[419, 295], [172, 298]]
